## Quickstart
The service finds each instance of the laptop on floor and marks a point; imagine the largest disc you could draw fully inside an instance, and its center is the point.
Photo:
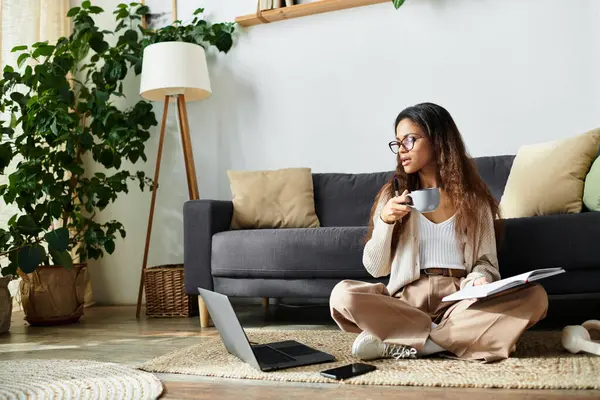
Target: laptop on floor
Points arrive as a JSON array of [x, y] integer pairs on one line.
[[265, 357]]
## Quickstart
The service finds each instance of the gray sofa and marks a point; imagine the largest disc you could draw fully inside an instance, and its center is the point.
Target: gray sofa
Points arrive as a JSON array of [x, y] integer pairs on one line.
[[308, 263]]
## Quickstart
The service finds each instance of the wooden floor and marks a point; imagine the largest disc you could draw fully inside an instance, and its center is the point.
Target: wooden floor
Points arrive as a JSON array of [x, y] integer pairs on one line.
[[113, 334]]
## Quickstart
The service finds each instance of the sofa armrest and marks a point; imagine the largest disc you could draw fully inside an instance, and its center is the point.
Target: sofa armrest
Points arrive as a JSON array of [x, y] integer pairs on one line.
[[201, 220], [569, 241]]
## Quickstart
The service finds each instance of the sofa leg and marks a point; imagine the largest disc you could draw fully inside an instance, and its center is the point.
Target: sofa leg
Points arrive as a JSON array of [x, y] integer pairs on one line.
[[265, 304], [204, 317]]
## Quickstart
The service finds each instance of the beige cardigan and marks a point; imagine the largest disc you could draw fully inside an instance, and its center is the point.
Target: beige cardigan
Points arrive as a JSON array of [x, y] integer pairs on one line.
[[480, 258]]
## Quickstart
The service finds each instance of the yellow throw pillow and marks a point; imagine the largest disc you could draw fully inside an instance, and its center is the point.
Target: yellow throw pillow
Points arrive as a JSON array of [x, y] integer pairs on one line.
[[548, 178], [281, 198]]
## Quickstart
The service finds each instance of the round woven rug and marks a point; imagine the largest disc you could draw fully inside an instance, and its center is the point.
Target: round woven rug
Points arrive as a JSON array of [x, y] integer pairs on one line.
[[540, 362], [75, 379]]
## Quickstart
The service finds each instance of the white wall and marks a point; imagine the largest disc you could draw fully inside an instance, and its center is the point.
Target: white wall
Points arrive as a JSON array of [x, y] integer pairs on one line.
[[323, 91]]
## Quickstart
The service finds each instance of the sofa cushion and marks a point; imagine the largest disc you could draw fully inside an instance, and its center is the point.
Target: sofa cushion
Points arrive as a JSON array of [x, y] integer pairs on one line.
[[346, 199], [333, 252], [494, 171], [591, 188], [548, 178], [282, 198]]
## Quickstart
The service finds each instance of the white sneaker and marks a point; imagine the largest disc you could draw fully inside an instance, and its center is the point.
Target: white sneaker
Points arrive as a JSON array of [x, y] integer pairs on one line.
[[368, 347]]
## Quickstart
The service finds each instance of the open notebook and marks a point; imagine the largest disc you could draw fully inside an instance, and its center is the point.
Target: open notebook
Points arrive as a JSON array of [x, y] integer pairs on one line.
[[475, 292]]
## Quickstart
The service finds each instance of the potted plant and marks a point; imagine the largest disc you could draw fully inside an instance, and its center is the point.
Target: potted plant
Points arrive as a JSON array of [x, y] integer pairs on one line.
[[62, 120], [61, 113]]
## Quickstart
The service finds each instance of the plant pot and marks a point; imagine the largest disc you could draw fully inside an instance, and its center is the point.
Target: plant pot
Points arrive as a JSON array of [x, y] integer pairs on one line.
[[5, 304], [53, 295]]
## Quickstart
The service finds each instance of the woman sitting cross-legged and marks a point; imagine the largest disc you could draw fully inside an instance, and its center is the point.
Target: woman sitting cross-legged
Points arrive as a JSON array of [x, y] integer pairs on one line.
[[431, 255]]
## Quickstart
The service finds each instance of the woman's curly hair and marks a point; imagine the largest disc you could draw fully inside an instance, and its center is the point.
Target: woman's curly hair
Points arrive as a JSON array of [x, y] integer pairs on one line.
[[456, 172]]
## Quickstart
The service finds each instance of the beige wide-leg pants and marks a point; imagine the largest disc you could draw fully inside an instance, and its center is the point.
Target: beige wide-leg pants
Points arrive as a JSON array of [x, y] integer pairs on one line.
[[476, 329]]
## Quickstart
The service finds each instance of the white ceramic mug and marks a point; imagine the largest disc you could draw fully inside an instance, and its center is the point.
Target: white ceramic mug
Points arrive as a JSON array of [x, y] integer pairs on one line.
[[425, 200]]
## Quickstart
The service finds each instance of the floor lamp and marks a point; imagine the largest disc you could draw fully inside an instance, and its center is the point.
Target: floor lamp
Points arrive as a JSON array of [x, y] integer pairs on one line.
[[174, 71]]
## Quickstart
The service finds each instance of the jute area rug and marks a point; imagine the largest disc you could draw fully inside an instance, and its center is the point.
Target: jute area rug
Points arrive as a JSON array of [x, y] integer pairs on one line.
[[540, 362], [75, 379]]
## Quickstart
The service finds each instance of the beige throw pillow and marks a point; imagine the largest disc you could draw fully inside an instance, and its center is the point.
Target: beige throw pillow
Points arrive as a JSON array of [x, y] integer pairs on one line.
[[548, 178], [281, 198]]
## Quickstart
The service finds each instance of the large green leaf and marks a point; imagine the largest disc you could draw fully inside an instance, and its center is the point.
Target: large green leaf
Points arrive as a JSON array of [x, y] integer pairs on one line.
[[30, 257], [18, 48], [97, 43], [27, 225], [13, 121], [44, 51], [130, 36], [121, 14], [22, 58], [58, 239], [6, 155], [109, 245], [61, 258], [12, 220], [107, 158], [19, 98], [5, 237], [224, 41], [55, 209], [10, 270], [73, 11], [143, 10], [40, 211]]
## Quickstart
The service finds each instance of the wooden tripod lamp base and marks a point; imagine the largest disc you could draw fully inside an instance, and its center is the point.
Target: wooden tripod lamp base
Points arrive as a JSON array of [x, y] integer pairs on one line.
[[174, 71], [192, 182]]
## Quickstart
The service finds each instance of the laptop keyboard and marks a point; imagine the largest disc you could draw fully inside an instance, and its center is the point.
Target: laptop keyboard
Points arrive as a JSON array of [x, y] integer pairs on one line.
[[267, 355], [298, 350]]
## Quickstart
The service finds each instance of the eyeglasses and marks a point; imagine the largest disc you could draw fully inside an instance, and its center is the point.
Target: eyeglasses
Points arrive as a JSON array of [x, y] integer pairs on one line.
[[408, 143]]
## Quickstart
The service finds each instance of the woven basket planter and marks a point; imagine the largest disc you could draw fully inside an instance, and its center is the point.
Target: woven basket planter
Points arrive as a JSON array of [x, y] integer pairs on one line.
[[53, 295], [165, 293], [5, 304]]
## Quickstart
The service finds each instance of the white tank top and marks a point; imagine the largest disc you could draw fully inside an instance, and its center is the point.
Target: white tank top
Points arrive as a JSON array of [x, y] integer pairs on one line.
[[439, 246]]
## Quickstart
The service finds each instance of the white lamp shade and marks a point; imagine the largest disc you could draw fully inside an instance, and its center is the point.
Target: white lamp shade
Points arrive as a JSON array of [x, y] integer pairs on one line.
[[171, 68]]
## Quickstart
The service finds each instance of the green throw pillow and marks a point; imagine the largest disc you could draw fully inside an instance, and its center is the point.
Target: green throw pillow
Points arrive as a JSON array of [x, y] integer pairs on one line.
[[591, 190]]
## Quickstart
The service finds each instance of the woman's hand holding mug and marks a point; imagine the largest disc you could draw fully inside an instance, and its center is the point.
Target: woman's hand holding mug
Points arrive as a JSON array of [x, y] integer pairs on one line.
[[395, 208]]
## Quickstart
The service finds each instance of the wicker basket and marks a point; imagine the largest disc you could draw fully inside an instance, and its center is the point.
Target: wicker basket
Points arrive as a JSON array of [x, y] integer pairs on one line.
[[165, 294]]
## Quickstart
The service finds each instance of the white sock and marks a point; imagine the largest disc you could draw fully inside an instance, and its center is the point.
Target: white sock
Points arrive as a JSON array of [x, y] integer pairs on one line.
[[430, 347], [433, 325]]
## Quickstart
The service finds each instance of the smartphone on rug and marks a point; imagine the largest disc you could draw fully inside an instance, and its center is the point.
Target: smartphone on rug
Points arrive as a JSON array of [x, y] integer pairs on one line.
[[348, 371]]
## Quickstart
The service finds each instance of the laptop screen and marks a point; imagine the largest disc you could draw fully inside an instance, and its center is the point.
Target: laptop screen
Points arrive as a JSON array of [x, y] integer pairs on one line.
[[229, 327]]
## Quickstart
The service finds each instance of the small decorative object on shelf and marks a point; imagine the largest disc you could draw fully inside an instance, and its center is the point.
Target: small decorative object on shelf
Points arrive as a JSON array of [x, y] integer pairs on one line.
[[295, 10]]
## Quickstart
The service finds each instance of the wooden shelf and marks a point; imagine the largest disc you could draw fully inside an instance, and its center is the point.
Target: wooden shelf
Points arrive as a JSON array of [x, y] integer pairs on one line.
[[301, 10]]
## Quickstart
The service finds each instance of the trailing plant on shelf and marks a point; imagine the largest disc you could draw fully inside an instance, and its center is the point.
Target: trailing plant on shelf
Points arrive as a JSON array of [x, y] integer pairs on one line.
[[398, 3], [62, 119]]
